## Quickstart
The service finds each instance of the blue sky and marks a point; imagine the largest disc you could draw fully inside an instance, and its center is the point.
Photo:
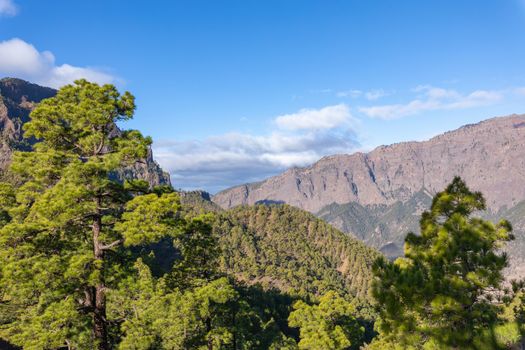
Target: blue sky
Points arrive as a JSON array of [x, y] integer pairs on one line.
[[235, 91]]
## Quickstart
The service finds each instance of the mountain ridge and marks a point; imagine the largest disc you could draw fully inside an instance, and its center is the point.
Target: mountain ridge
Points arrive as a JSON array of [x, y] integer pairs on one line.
[[378, 196], [372, 168]]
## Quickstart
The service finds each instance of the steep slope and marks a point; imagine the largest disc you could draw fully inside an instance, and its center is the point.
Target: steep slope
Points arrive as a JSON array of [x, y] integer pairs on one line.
[[198, 202], [516, 250], [283, 247], [287, 248], [383, 226], [18, 98], [379, 195]]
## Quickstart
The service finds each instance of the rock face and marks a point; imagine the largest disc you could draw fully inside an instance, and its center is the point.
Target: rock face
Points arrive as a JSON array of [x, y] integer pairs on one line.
[[18, 98], [489, 156], [378, 196]]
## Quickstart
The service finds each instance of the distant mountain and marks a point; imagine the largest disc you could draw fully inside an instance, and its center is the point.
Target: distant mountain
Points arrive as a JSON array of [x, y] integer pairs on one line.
[[18, 98], [378, 196], [381, 225]]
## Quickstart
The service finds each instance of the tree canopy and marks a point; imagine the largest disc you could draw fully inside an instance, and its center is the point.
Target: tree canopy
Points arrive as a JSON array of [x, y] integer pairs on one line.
[[65, 218], [444, 290], [329, 325]]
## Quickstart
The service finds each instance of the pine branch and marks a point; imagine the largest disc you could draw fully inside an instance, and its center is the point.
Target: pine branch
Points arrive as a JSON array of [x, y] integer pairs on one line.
[[112, 244]]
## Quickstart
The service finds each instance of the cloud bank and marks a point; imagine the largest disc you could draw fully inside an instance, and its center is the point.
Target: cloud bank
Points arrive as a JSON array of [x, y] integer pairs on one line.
[[318, 119], [226, 160], [22, 60], [432, 99]]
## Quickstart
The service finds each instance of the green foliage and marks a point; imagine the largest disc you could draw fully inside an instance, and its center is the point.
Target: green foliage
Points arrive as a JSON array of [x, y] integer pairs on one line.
[[62, 221], [149, 217], [442, 292], [329, 325], [287, 248], [217, 314], [500, 336], [257, 317], [519, 309], [261, 319], [156, 317], [200, 250]]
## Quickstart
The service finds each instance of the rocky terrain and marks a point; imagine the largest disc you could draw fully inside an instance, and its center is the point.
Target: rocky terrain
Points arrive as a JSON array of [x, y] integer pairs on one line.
[[17, 100], [379, 195]]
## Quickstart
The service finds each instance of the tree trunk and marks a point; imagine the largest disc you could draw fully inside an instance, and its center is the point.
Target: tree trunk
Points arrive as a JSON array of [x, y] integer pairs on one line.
[[100, 331]]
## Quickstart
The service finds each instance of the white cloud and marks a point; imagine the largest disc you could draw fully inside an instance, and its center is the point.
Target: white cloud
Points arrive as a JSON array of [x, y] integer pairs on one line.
[[226, 160], [22, 60], [371, 95], [8, 8], [350, 93], [432, 99], [325, 118], [375, 94]]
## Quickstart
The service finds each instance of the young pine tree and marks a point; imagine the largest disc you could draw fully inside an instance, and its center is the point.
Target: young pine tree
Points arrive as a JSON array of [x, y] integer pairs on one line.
[[328, 325], [440, 294], [62, 226]]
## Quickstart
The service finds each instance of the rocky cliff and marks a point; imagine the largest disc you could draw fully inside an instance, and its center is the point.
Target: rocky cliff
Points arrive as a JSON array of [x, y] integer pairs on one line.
[[489, 155], [17, 100]]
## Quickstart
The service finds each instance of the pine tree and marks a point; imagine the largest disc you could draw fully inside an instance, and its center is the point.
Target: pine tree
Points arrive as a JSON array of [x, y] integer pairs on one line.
[[442, 291], [66, 218], [328, 325]]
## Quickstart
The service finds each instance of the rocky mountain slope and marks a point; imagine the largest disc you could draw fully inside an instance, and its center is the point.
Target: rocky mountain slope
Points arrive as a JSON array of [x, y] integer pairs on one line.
[[17, 100], [379, 195]]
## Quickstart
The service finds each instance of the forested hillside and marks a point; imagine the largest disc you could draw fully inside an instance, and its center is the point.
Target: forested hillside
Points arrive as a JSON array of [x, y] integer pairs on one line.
[[282, 247], [380, 225], [293, 251]]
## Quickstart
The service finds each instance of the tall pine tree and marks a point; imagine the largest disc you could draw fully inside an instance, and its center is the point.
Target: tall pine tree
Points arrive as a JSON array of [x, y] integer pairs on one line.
[[65, 218], [442, 291]]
